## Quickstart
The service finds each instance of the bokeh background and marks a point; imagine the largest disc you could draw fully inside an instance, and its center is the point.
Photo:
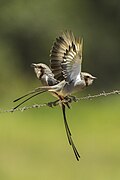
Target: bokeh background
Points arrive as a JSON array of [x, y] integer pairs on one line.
[[33, 144]]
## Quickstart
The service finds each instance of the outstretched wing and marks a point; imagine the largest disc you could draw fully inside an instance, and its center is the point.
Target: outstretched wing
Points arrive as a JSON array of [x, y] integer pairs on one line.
[[66, 57]]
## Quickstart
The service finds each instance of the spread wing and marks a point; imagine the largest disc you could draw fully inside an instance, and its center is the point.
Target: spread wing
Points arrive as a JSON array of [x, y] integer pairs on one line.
[[66, 57]]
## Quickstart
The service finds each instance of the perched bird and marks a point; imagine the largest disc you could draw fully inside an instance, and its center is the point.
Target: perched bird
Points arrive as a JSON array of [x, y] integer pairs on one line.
[[64, 77], [44, 74]]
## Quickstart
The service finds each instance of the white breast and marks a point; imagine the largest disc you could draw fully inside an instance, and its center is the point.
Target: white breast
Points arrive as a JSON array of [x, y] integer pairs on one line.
[[78, 79]]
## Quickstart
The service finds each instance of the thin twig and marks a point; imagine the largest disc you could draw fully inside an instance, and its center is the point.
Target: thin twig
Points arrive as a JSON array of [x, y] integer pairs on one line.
[[101, 94], [89, 97]]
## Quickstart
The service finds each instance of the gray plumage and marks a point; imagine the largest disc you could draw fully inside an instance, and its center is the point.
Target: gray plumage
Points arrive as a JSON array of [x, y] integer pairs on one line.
[[44, 74], [64, 76], [65, 65]]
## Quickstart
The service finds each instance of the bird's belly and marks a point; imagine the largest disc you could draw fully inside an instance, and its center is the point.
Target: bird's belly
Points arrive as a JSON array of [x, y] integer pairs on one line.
[[72, 88]]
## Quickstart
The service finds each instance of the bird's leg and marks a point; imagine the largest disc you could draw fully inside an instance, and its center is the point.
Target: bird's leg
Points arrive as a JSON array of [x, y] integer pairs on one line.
[[66, 100], [66, 103], [63, 100]]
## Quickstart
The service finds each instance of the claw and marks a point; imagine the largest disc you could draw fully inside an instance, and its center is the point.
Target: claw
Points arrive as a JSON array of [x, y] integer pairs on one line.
[[73, 98], [67, 99], [52, 104]]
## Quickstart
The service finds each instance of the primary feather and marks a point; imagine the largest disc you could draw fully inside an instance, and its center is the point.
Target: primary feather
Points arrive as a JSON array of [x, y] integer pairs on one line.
[[66, 57]]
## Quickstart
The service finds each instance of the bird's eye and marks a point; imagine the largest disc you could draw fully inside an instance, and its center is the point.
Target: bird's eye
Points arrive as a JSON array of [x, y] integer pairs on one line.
[[39, 66]]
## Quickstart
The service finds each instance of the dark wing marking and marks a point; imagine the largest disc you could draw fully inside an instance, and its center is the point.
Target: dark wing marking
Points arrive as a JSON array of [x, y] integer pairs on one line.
[[66, 57]]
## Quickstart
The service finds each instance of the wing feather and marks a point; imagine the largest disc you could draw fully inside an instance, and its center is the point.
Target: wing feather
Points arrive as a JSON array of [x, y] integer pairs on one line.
[[66, 57]]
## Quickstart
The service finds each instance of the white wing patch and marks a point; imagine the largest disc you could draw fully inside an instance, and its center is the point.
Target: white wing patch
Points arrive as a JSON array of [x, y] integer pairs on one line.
[[66, 57]]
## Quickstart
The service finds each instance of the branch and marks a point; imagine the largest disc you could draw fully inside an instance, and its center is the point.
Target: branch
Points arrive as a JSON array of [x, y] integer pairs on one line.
[[89, 97]]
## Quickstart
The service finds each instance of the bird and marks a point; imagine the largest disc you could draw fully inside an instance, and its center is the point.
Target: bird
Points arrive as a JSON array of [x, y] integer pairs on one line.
[[44, 74], [64, 76]]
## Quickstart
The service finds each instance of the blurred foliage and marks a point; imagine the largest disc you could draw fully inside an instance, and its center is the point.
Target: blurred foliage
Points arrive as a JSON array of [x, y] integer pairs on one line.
[[29, 28], [32, 143]]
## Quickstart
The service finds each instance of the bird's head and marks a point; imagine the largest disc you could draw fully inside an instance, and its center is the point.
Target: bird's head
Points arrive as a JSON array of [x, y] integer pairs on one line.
[[39, 69], [88, 78]]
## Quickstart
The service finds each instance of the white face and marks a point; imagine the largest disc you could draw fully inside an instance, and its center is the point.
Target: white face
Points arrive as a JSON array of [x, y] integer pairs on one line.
[[38, 72], [90, 81], [39, 69], [88, 78]]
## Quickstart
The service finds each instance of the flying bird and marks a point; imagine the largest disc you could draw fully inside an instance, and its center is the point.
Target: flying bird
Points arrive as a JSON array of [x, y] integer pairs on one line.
[[63, 77]]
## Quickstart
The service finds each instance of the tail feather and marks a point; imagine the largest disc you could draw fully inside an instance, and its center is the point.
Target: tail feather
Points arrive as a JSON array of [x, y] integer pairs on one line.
[[37, 93], [69, 135], [29, 93]]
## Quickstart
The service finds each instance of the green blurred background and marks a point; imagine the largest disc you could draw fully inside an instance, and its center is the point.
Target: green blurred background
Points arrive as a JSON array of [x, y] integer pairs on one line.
[[33, 144]]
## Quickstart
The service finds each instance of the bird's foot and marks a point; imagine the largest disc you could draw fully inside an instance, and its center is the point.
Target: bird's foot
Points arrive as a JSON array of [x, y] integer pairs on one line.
[[67, 99], [54, 103], [73, 98], [70, 99]]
